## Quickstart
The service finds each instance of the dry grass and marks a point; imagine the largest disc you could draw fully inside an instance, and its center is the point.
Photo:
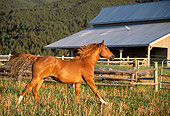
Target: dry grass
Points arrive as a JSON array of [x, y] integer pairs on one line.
[[58, 99]]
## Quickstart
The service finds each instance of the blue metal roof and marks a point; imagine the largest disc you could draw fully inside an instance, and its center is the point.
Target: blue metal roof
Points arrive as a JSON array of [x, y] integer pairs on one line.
[[115, 36], [133, 12]]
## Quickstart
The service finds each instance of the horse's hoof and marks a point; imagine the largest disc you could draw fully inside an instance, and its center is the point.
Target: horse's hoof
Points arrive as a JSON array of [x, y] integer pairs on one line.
[[19, 99], [105, 103]]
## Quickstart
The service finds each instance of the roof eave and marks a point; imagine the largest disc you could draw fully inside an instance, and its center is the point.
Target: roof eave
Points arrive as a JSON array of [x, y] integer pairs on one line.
[[133, 45], [158, 40], [62, 47], [132, 21], [72, 47]]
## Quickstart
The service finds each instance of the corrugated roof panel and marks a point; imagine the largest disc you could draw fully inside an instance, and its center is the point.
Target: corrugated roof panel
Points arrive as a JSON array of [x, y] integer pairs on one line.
[[133, 12], [139, 35]]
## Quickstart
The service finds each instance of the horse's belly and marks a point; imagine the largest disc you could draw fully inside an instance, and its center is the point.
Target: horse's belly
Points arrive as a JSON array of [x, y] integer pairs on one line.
[[68, 79], [69, 76]]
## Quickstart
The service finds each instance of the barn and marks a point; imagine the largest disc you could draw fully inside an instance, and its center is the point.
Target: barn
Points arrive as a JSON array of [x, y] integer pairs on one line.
[[135, 30]]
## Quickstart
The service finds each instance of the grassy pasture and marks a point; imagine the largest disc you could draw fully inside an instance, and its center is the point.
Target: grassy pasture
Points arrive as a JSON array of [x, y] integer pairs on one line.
[[59, 99]]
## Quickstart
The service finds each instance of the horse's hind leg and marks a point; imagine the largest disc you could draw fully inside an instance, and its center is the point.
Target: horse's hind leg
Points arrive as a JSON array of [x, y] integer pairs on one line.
[[77, 86], [28, 87], [36, 88]]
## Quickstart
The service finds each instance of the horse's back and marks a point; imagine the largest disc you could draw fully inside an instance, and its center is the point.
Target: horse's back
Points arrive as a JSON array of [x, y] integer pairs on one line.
[[45, 60], [44, 65]]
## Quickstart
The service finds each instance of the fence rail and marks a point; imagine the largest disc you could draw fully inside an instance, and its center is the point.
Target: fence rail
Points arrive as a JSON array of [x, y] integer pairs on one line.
[[107, 75], [4, 57], [121, 61], [133, 76], [133, 73], [163, 76]]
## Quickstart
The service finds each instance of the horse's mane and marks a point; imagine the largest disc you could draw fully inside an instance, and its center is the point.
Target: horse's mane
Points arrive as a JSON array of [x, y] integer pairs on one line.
[[86, 50]]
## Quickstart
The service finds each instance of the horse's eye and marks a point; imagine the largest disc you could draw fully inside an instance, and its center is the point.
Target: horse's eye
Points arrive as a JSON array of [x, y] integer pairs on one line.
[[106, 48]]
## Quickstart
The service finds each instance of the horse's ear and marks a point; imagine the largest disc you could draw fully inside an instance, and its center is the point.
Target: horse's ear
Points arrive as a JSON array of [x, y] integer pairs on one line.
[[102, 42]]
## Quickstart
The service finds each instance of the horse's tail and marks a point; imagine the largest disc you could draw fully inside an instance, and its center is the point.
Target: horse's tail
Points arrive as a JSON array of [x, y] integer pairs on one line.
[[20, 61]]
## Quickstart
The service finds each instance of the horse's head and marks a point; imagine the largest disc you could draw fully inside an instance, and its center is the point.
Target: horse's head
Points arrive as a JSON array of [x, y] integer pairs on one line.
[[105, 52]]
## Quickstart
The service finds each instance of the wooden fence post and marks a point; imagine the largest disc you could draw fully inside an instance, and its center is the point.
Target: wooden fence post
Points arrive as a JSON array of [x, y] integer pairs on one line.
[[156, 76], [128, 58], [131, 82], [133, 75], [62, 58], [108, 62], [136, 67], [9, 56]]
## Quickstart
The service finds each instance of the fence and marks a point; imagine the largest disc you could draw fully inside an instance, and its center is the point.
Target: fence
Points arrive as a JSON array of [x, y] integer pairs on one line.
[[4, 58], [105, 74], [133, 76], [119, 61], [165, 78]]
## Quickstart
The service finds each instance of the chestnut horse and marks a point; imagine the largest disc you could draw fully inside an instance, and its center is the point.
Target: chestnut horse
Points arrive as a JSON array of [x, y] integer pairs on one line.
[[78, 70]]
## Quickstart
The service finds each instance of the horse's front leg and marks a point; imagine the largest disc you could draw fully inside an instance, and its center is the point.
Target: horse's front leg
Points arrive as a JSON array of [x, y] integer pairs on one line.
[[90, 82]]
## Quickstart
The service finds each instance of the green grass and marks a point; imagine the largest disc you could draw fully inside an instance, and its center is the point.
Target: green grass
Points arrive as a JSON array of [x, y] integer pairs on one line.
[[59, 99]]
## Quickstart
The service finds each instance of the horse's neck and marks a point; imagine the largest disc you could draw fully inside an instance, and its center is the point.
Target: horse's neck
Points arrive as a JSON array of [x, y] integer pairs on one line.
[[93, 58]]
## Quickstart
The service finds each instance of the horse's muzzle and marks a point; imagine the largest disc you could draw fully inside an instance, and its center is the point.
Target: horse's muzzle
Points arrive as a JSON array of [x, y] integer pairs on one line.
[[112, 57]]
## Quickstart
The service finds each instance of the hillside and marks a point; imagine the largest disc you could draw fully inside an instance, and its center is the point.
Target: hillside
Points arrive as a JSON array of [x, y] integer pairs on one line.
[[28, 29], [10, 4]]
